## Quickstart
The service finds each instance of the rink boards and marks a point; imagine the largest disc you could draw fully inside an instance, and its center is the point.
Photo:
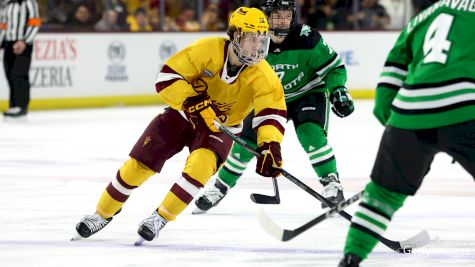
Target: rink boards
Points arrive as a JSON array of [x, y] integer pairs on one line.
[[72, 70]]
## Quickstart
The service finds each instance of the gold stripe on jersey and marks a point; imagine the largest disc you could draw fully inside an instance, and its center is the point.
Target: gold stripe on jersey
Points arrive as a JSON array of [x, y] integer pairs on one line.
[[199, 67]]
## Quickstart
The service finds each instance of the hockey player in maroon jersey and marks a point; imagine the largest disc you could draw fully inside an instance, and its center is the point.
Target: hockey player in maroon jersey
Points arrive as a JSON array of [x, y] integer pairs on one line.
[[213, 78]]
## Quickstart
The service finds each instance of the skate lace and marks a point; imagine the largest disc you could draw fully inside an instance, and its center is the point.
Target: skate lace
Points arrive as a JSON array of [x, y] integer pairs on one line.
[[154, 223], [213, 195], [95, 222], [331, 189]]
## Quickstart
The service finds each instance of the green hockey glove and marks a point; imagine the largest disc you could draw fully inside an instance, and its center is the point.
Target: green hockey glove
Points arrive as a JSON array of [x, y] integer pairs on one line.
[[342, 103], [382, 104]]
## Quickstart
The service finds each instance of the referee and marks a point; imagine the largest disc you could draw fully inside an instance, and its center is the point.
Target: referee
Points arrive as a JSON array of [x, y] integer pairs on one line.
[[19, 25]]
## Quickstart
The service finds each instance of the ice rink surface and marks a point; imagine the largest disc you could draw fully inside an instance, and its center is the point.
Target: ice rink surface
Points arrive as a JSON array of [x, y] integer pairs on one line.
[[55, 165]]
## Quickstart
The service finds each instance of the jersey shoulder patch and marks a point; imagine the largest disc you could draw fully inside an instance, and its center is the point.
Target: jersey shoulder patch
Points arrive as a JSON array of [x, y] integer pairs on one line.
[[303, 37]]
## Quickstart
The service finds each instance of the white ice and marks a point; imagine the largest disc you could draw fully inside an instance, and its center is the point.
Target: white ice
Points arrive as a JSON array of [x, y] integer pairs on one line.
[[54, 166]]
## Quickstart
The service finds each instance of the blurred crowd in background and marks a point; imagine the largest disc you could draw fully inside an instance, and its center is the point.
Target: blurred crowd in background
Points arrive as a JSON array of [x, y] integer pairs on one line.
[[211, 15]]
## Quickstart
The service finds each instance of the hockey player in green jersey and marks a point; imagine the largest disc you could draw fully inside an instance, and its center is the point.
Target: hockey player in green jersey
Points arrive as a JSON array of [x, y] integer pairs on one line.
[[312, 75], [426, 99]]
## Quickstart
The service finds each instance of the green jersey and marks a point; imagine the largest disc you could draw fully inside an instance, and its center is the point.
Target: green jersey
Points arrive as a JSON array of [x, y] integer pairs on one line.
[[428, 80], [305, 63]]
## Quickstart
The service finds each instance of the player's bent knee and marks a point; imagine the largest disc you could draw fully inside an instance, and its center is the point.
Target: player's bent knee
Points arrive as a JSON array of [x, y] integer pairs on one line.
[[201, 165], [134, 173]]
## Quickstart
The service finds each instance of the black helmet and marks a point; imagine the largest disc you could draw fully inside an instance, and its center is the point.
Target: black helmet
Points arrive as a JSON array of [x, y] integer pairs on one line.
[[270, 6]]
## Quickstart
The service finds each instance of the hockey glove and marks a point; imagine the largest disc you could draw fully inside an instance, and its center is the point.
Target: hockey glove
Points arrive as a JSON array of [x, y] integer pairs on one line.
[[201, 112], [382, 104], [342, 103], [269, 160]]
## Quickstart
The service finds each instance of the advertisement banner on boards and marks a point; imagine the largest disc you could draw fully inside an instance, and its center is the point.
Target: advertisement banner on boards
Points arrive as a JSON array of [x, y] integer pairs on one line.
[[67, 65]]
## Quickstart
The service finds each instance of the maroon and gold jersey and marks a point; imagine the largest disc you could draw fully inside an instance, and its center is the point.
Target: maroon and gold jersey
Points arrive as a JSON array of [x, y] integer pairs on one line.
[[199, 68]]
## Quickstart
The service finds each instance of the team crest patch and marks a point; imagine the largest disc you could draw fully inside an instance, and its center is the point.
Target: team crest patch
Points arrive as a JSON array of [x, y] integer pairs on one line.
[[305, 30], [207, 73], [147, 140], [222, 118]]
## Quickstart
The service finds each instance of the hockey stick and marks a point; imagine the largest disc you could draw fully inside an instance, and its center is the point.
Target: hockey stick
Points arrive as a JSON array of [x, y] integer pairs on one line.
[[255, 197], [285, 235], [265, 199], [405, 246]]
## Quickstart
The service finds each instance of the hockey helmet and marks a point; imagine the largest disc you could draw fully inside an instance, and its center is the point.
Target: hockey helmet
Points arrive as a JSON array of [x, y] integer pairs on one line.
[[251, 43], [270, 7]]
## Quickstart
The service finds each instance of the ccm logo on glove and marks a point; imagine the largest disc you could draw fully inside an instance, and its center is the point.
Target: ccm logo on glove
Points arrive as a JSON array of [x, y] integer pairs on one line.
[[201, 113], [199, 106]]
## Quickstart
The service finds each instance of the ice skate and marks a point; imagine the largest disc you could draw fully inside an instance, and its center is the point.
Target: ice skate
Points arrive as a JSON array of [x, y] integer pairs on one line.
[[332, 189], [210, 198], [350, 260], [15, 112], [90, 225], [150, 228]]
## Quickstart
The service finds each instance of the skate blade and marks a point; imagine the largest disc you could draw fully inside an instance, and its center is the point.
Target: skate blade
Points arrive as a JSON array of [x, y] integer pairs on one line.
[[20, 119], [76, 237], [139, 241], [198, 211]]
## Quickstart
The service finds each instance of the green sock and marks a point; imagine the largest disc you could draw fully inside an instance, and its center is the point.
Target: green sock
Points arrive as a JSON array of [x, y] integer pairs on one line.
[[235, 165], [313, 139], [371, 219]]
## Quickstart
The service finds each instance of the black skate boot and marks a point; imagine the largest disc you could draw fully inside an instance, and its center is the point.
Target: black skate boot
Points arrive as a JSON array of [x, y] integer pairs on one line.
[[91, 224], [332, 189], [210, 198], [15, 112], [350, 260], [151, 226]]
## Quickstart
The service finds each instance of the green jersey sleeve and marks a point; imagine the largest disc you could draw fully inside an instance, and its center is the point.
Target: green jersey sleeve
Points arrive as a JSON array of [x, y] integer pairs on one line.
[[328, 65], [391, 78]]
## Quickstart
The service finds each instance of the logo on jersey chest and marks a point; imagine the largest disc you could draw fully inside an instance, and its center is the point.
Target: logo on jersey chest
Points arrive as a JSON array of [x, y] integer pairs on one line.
[[199, 85], [278, 67], [286, 74], [294, 82]]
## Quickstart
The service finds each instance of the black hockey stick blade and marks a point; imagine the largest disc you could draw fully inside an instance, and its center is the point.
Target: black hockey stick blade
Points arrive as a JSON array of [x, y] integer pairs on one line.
[[265, 199], [256, 198], [285, 234]]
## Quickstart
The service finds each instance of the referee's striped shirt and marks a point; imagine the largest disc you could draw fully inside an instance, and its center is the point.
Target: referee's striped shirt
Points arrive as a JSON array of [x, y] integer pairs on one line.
[[20, 20]]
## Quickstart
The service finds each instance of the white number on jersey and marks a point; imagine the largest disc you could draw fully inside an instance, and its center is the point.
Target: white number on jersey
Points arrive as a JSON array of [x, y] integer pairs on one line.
[[436, 45], [280, 74]]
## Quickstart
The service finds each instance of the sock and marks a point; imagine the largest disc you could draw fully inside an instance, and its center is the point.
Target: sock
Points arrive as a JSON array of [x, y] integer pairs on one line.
[[314, 141], [371, 219], [235, 165], [200, 165], [130, 176]]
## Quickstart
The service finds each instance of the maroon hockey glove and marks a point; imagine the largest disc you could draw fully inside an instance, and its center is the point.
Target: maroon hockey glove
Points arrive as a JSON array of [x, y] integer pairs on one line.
[[269, 160], [201, 112]]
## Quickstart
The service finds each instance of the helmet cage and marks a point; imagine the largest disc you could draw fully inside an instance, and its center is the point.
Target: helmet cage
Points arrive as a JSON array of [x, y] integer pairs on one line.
[[251, 57], [271, 6]]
